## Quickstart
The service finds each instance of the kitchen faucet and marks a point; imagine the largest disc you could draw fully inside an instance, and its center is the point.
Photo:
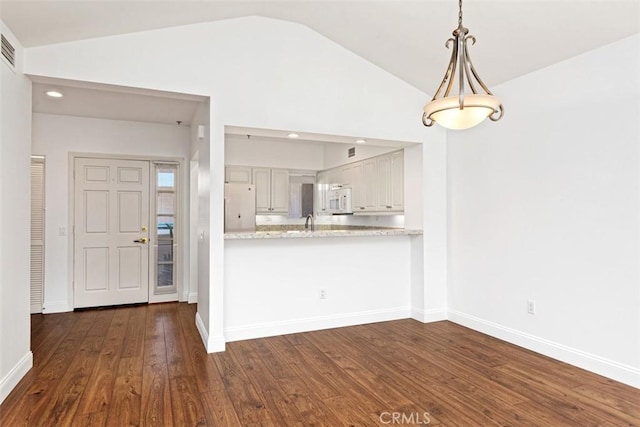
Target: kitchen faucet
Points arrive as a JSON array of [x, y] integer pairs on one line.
[[306, 223]]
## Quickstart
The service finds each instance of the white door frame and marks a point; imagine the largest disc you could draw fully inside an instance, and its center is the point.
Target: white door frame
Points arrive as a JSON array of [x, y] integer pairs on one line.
[[183, 235]]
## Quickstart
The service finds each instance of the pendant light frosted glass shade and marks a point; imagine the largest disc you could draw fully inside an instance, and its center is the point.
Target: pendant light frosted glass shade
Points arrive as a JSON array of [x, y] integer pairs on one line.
[[447, 112], [464, 110]]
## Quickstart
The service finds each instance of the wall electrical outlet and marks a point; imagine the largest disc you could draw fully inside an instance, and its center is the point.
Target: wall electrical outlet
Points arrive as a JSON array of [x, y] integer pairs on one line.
[[323, 294], [531, 306]]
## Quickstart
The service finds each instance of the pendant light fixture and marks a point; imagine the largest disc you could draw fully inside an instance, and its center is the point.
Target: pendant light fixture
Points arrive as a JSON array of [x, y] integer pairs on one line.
[[461, 111]]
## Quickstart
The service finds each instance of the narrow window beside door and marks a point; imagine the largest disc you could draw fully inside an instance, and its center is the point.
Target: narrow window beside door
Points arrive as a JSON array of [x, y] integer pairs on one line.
[[166, 226]]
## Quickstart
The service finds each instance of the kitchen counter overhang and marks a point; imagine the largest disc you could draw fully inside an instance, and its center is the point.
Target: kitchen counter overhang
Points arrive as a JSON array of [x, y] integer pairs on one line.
[[296, 234]]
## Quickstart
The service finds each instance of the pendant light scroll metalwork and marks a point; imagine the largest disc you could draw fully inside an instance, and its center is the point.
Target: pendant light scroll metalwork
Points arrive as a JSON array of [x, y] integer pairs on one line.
[[463, 110]]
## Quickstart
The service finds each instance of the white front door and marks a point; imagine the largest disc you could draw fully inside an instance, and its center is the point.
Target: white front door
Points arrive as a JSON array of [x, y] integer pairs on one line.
[[111, 249]]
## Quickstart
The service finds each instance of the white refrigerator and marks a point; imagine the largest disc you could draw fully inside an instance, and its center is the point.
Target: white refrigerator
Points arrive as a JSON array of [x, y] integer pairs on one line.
[[239, 207]]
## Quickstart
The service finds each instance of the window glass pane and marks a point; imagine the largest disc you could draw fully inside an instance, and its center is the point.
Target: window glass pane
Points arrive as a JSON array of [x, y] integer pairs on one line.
[[166, 205], [165, 251], [166, 238], [165, 227], [166, 178], [165, 275]]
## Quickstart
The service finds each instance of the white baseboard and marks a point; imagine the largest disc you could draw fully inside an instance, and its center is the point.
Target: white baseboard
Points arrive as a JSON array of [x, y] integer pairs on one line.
[[192, 298], [156, 299], [204, 334], [211, 343], [590, 362], [428, 316], [14, 376], [216, 344], [313, 324], [55, 307]]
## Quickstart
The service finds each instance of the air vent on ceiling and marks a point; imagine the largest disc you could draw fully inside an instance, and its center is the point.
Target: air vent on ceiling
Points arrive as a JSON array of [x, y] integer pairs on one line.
[[351, 152], [8, 51]]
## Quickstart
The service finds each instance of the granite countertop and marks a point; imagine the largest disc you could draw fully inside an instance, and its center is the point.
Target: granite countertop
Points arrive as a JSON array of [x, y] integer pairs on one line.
[[298, 234]]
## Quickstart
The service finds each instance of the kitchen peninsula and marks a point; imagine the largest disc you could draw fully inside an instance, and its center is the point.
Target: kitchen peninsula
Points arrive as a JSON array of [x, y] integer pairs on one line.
[[355, 268]]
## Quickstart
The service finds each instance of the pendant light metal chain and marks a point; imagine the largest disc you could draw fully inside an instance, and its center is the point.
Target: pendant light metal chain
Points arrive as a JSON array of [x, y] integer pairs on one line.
[[460, 13]]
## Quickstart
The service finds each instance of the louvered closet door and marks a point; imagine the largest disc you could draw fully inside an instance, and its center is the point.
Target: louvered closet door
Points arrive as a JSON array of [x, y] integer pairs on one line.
[[37, 235]]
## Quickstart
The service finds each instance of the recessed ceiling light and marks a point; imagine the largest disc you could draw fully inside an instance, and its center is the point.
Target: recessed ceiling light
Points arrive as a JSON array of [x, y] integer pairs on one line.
[[293, 135], [54, 94], [361, 141]]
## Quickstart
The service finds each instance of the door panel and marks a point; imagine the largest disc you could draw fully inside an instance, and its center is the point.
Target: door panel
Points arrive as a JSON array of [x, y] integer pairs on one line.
[[129, 212], [129, 267], [111, 211], [96, 269], [96, 211]]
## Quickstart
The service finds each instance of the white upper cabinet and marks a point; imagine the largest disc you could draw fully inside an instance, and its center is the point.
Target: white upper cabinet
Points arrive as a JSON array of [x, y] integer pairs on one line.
[[397, 181], [377, 184], [237, 174], [280, 191], [322, 185], [272, 190], [384, 183], [352, 176], [369, 184], [391, 182]]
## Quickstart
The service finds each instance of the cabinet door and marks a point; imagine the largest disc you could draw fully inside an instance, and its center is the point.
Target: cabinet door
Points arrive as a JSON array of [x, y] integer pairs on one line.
[[369, 185], [239, 174], [335, 177], [262, 181], [384, 181], [397, 181], [280, 191], [321, 193], [355, 177]]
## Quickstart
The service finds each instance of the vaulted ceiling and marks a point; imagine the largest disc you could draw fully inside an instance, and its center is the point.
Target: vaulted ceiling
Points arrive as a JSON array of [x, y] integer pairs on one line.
[[404, 37]]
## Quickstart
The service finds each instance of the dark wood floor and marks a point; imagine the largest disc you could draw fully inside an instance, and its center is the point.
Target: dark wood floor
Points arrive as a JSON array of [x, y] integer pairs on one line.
[[147, 366]]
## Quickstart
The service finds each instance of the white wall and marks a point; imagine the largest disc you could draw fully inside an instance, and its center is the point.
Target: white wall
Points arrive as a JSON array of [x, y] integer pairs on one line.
[[15, 148], [200, 148], [272, 286], [55, 137], [258, 73], [545, 206], [336, 154], [261, 152], [425, 188]]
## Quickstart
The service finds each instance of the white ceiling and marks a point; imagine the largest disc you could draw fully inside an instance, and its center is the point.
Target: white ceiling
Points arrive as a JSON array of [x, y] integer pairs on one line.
[[404, 37], [113, 102]]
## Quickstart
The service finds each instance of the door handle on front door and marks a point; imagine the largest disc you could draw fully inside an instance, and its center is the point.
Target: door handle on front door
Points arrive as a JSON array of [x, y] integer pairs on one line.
[[142, 240]]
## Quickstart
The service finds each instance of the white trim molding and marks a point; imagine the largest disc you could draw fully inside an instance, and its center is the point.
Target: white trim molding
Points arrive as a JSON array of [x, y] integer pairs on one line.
[[428, 316], [14, 376], [596, 364], [262, 330], [55, 307], [192, 298], [212, 344]]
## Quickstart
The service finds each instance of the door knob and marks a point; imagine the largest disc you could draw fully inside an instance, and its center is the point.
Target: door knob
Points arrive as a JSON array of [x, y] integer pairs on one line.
[[142, 240]]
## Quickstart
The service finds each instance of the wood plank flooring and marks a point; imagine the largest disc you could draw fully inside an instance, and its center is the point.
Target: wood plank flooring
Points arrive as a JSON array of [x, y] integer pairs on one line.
[[146, 366]]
